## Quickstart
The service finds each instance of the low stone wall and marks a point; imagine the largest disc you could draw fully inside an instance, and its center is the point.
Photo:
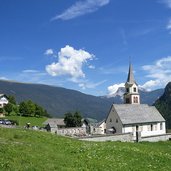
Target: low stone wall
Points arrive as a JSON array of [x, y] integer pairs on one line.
[[128, 137], [163, 137], [72, 131]]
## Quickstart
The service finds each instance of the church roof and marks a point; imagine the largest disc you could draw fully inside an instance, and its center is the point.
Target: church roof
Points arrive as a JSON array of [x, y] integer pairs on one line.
[[134, 114], [130, 78]]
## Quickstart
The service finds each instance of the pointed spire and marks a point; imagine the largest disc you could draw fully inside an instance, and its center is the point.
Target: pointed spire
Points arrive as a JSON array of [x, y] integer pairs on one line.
[[130, 78]]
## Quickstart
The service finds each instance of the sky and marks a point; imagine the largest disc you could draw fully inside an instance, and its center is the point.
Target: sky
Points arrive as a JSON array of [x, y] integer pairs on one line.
[[86, 45]]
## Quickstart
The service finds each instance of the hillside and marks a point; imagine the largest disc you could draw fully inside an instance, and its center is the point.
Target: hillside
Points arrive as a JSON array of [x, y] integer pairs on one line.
[[59, 100], [31, 150], [163, 104]]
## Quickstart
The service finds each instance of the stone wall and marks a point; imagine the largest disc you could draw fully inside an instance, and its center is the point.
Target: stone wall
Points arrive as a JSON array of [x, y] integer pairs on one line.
[[72, 131], [128, 137], [163, 137]]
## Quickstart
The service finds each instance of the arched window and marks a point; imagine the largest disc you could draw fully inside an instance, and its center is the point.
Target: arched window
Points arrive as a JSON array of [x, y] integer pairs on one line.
[[134, 99]]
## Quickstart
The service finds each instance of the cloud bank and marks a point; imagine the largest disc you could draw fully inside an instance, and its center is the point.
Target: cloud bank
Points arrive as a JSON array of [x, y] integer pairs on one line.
[[159, 73], [70, 63], [81, 8], [113, 88]]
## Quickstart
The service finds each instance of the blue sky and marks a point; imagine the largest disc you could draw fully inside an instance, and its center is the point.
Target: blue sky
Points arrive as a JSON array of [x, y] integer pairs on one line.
[[86, 44]]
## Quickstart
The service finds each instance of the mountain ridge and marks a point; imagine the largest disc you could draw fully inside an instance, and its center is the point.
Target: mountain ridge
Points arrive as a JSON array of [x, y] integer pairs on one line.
[[163, 104], [58, 100]]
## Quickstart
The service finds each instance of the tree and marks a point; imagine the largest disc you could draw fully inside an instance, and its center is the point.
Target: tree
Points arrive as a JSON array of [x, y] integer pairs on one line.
[[27, 108], [23, 109], [12, 100], [73, 120], [8, 108], [68, 119], [78, 118], [38, 110]]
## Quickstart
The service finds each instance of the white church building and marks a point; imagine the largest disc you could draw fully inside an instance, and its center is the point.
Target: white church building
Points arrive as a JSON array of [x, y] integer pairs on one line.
[[132, 117]]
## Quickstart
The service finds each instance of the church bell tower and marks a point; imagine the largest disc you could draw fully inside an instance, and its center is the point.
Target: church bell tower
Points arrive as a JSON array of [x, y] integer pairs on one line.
[[131, 95]]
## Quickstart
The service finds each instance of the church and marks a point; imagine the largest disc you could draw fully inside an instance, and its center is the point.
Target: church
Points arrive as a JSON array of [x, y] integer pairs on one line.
[[132, 116]]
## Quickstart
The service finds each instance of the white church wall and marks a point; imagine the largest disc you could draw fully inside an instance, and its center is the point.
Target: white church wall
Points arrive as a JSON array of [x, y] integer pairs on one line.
[[147, 129], [113, 121]]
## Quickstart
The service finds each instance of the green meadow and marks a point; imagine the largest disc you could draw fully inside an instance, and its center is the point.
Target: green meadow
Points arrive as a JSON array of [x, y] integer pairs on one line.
[[34, 121], [27, 150]]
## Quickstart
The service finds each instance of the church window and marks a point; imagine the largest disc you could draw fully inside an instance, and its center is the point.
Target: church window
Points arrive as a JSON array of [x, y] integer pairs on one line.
[[110, 120], [136, 101], [127, 100], [116, 120], [135, 89], [127, 90], [151, 127], [161, 126]]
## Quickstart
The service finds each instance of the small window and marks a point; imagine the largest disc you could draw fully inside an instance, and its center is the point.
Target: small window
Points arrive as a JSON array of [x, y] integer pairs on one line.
[[161, 126], [127, 90], [116, 120], [110, 120], [151, 127], [135, 89], [134, 99]]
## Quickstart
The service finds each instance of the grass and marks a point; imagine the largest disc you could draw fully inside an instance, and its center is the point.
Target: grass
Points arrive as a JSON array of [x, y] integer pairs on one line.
[[23, 120], [26, 150]]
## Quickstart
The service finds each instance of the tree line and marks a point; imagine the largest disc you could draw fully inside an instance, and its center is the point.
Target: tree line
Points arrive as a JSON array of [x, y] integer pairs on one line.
[[24, 108]]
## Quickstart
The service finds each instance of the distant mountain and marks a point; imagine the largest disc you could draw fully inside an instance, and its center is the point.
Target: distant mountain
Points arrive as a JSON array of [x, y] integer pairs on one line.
[[163, 104], [146, 97], [57, 101]]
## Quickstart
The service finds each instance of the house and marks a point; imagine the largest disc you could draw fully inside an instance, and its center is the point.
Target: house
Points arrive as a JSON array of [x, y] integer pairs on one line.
[[53, 124], [58, 126], [94, 127], [3, 102], [133, 117], [89, 123], [100, 128]]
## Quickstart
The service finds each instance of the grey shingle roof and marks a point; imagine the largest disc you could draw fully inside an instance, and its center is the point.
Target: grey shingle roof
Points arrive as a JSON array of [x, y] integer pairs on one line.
[[137, 113], [55, 121]]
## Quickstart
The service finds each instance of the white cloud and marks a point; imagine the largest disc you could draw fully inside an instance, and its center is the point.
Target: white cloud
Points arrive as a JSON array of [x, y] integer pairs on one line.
[[49, 52], [166, 2], [168, 27], [81, 8], [91, 67], [113, 88], [159, 72], [30, 71], [70, 62], [3, 78]]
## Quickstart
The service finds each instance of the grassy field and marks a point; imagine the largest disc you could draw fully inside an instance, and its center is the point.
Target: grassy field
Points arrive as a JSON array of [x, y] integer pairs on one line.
[[23, 120], [26, 150]]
